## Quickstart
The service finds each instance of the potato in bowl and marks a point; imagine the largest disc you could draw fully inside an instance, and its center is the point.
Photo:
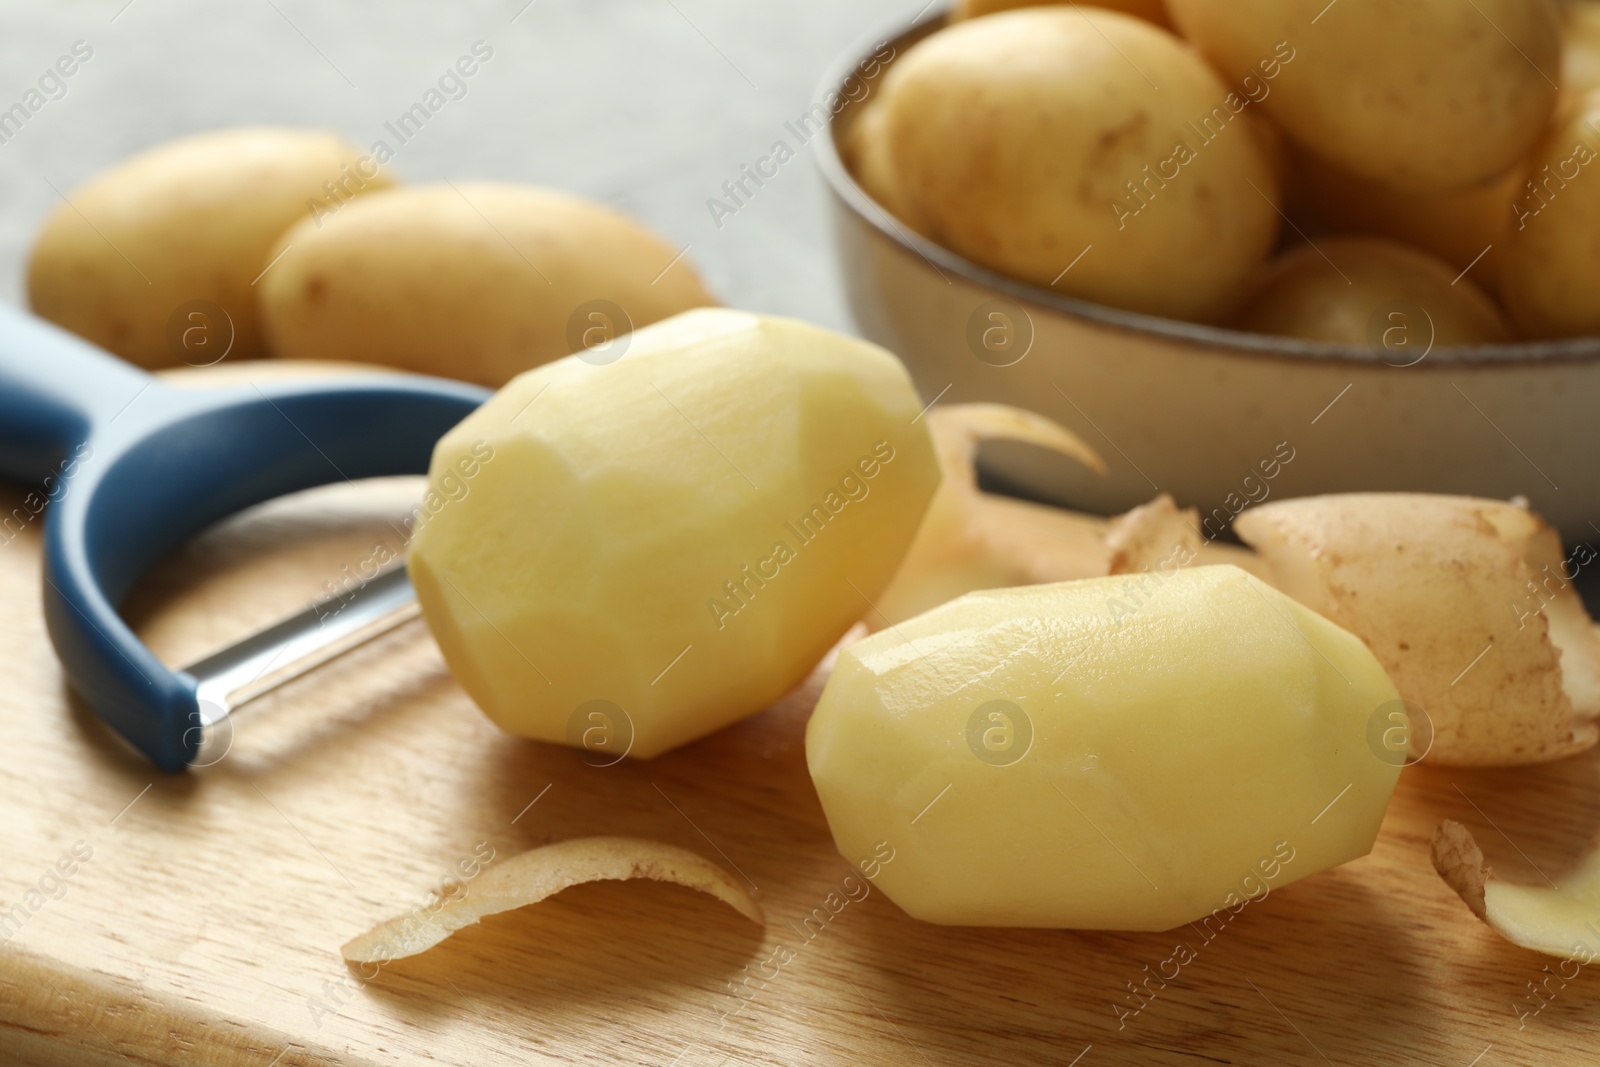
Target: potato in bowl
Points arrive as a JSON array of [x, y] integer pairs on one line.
[[1191, 406], [1035, 142]]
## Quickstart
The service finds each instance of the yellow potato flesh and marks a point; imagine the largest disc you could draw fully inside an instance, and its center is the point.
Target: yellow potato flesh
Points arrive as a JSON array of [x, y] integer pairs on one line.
[[618, 536], [1552, 252], [1466, 602], [1188, 732]]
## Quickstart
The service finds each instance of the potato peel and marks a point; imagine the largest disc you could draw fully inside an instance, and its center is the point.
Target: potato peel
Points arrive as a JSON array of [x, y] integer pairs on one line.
[[1465, 602], [1459, 861], [1555, 921], [531, 876], [970, 539], [1153, 535]]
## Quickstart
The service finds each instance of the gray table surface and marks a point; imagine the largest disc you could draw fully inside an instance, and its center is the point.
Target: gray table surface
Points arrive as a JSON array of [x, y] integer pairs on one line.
[[648, 105]]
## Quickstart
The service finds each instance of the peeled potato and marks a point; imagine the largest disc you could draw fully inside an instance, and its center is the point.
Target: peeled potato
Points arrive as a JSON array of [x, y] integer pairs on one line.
[[1552, 255], [1467, 603], [132, 257], [1431, 95], [1152, 10], [1054, 137], [970, 539], [1465, 229], [1366, 291], [540, 873], [475, 281], [627, 557], [1127, 753]]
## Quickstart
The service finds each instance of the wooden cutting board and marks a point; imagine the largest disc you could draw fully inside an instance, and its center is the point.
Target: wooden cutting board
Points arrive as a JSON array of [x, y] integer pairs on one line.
[[205, 926]]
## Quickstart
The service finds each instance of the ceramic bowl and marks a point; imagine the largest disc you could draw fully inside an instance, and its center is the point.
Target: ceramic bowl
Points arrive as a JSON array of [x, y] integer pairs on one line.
[[1219, 418]]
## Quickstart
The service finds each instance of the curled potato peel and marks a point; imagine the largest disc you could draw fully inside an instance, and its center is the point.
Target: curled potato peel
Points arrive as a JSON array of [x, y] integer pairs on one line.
[[1161, 536], [970, 539], [1467, 603], [1557, 920], [531, 876]]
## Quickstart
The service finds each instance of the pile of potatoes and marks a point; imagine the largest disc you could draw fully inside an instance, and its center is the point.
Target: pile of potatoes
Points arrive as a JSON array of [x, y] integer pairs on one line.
[[1291, 167], [258, 242]]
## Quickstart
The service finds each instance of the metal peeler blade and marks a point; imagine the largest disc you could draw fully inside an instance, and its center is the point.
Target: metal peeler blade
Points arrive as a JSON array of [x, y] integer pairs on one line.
[[228, 679]]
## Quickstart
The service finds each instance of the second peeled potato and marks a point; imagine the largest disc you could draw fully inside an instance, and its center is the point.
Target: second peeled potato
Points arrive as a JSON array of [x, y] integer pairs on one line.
[[477, 281]]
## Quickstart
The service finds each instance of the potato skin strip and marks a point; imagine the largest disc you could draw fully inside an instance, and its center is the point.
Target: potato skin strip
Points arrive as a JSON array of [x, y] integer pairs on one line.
[[1556, 919], [532, 876], [970, 539], [1466, 602]]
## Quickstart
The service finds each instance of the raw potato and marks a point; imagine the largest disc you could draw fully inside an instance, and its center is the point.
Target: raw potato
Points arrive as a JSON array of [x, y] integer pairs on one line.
[[1166, 746], [1465, 229], [1026, 139], [1367, 291], [531, 876], [1426, 96], [865, 152], [196, 220], [681, 534], [973, 540], [1466, 604], [1552, 255], [1150, 10], [474, 281]]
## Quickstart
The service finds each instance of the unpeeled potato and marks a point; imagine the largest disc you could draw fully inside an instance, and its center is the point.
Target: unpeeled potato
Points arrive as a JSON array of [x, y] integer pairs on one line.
[[1428, 95], [624, 558], [1465, 229], [477, 281], [1153, 10], [970, 539], [1054, 144], [132, 258], [1552, 256], [1467, 603], [1366, 291]]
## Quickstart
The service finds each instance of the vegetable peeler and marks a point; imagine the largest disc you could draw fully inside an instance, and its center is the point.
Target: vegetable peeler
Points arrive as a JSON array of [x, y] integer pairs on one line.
[[133, 467]]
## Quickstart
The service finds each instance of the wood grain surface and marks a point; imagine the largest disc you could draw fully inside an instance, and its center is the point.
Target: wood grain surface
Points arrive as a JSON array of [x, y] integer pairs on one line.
[[205, 927]]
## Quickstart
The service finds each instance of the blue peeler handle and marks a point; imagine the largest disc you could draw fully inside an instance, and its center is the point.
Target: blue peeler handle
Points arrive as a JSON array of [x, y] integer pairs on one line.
[[133, 467]]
